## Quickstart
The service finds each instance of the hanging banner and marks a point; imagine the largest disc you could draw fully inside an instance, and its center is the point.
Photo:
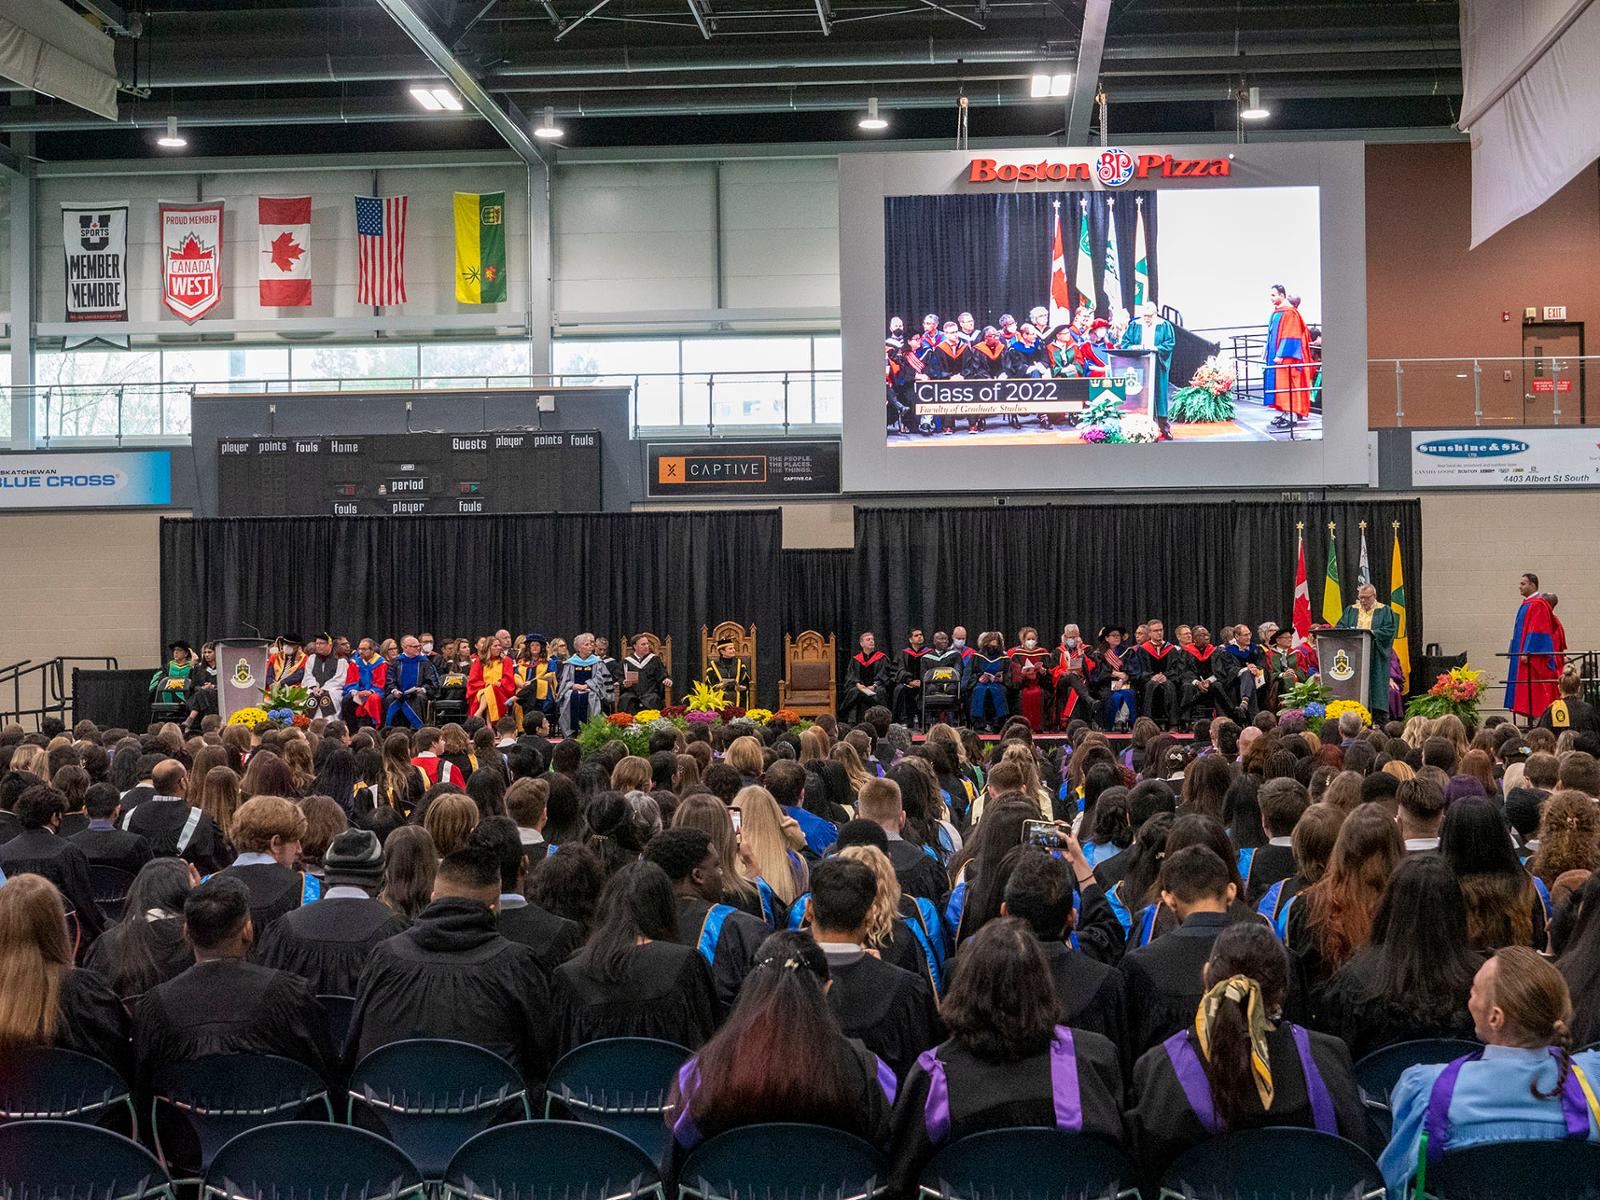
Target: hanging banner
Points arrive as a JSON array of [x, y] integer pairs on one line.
[[191, 258], [285, 227], [94, 238]]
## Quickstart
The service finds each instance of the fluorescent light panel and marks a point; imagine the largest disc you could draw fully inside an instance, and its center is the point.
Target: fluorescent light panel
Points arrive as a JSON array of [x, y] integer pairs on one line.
[[1046, 84]]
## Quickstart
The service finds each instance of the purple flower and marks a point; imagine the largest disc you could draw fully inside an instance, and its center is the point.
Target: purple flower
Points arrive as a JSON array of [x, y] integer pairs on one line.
[[700, 718]]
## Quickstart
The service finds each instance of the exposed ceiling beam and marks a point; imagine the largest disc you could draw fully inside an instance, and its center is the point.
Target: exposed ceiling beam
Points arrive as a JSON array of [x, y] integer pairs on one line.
[[114, 17], [699, 19], [824, 17], [509, 124], [566, 29], [1086, 81]]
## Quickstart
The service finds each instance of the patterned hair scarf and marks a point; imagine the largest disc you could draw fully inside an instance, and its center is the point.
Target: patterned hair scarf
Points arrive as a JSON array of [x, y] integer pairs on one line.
[[1245, 992]]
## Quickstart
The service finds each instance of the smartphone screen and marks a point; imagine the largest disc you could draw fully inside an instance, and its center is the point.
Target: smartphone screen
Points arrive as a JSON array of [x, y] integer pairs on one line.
[[738, 820], [1042, 833]]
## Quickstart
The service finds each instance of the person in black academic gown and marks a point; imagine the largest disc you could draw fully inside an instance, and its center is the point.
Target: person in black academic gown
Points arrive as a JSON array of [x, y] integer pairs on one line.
[[1236, 1064], [1157, 670], [1161, 982], [1039, 892], [633, 978], [866, 681], [1283, 802], [88, 1016], [1007, 1062], [724, 936], [102, 843], [644, 678], [908, 680], [267, 831], [918, 871], [890, 1010], [453, 975], [328, 943], [224, 1004], [554, 939], [165, 820], [147, 946], [39, 850]]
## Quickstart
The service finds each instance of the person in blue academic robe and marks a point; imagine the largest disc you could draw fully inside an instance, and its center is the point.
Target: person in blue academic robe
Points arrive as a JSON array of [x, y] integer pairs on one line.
[[583, 685], [991, 667], [412, 682], [1152, 332]]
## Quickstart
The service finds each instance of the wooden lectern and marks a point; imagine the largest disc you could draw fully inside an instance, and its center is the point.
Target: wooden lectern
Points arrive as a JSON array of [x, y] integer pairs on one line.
[[1345, 658]]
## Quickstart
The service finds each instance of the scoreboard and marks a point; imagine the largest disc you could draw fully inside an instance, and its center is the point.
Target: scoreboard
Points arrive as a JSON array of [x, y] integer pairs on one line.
[[409, 474]]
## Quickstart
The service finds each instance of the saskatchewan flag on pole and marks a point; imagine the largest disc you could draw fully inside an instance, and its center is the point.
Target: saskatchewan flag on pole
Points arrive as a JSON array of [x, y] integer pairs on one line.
[[1141, 260], [1084, 272], [481, 247], [1332, 599], [1397, 601]]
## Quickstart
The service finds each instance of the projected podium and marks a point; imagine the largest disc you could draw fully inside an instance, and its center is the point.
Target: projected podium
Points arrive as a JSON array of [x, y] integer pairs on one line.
[[241, 674], [1136, 369], [1345, 656]]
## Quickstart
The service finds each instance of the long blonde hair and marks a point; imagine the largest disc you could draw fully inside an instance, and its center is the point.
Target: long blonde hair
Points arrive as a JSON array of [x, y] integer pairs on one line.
[[941, 731], [886, 904], [706, 813], [762, 841], [35, 953], [219, 796], [811, 746], [1415, 731], [855, 770]]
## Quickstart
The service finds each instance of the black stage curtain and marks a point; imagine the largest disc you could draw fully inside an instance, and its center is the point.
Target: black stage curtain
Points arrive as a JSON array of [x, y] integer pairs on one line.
[[1004, 568], [112, 698], [816, 595], [990, 254], [609, 573]]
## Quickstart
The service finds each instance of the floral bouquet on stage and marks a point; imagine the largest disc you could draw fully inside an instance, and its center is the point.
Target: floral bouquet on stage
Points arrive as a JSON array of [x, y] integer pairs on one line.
[[288, 704], [1135, 429], [1209, 396], [1339, 707], [634, 731], [1459, 693]]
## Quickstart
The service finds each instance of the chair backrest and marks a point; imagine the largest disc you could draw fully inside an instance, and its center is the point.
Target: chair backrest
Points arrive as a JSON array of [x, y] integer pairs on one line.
[[622, 1084], [661, 646], [1035, 1164], [337, 1011], [784, 1160], [59, 1159], [810, 662], [430, 1095], [1554, 1170], [1278, 1163], [216, 1098], [1378, 1072], [110, 887], [550, 1160], [46, 1082], [744, 646], [310, 1160]]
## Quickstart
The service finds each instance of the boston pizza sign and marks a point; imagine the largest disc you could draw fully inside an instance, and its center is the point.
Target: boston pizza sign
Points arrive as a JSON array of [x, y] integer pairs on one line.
[[1112, 167]]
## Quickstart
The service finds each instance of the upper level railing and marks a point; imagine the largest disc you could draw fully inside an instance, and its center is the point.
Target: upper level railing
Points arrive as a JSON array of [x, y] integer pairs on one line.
[[1420, 393]]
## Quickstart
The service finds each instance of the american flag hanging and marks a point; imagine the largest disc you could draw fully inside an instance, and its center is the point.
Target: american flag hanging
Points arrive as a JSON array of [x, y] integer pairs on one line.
[[381, 249]]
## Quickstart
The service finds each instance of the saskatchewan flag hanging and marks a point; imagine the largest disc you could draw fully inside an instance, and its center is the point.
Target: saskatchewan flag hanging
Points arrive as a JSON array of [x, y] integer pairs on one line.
[[481, 247]]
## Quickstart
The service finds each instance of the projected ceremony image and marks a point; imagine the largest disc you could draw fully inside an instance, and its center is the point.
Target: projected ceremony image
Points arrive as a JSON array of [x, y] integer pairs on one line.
[[1129, 317]]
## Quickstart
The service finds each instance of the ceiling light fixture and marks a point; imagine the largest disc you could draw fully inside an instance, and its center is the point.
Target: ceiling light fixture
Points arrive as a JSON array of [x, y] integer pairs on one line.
[[1047, 83], [172, 139], [872, 121], [549, 130], [426, 98], [447, 99], [1252, 110]]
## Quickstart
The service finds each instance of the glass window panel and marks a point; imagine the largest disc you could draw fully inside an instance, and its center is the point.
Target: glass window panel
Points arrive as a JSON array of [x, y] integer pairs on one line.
[[454, 364], [754, 392], [750, 353], [654, 361], [354, 368], [5, 399], [80, 393]]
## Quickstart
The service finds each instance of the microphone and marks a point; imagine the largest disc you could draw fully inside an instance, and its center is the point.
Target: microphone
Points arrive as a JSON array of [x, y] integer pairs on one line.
[[251, 628]]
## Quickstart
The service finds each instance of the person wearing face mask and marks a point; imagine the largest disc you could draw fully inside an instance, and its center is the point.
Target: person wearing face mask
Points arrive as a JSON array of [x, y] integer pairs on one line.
[[990, 666], [1069, 679], [943, 674], [1030, 677]]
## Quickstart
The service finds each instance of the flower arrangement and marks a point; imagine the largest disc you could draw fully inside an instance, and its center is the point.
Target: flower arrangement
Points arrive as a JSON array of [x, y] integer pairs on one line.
[[1135, 429], [1338, 708], [705, 699], [1209, 396], [759, 715], [634, 731], [1458, 692], [621, 719], [249, 717], [646, 715], [1309, 691], [788, 716]]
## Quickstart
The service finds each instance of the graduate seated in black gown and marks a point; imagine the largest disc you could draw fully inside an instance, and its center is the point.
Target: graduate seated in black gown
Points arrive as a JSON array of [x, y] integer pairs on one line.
[[102, 843], [1040, 893], [328, 943], [147, 946], [889, 1009], [452, 975], [44, 1000], [40, 851], [1008, 1061], [918, 870], [633, 978], [810, 1072], [554, 939], [1283, 802], [267, 832], [1238, 1065]]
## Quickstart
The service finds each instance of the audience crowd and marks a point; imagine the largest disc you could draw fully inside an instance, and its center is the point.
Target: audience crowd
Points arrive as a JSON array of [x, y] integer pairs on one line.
[[1150, 941]]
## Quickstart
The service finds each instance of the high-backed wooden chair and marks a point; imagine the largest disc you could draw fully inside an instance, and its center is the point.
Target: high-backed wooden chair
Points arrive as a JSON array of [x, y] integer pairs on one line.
[[810, 686], [744, 646], [658, 646]]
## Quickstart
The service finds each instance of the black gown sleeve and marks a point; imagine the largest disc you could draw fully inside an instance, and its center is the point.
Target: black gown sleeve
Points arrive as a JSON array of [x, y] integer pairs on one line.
[[909, 1145], [1332, 1058], [94, 1022]]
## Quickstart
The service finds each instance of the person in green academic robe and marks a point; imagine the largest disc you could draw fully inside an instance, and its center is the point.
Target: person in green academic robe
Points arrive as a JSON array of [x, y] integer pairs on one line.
[[1150, 332], [1367, 613]]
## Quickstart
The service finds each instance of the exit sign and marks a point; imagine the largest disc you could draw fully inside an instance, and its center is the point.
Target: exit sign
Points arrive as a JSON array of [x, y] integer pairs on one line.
[[1555, 312]]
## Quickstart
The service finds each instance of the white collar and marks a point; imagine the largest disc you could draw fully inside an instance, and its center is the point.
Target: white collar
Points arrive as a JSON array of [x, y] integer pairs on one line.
[[530, 837], [253, 858], [346, 891], [1428, 843], [1280, 841]]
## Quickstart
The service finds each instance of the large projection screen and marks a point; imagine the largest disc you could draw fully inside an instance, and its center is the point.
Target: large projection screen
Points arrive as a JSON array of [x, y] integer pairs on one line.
[[1167, 272]]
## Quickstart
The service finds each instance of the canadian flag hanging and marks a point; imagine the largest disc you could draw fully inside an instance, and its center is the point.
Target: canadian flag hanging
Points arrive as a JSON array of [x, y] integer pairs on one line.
[[285, 226]]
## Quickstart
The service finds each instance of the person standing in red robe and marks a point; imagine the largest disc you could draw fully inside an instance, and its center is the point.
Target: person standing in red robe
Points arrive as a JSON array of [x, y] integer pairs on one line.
[[1537, 643], [1289, 371]]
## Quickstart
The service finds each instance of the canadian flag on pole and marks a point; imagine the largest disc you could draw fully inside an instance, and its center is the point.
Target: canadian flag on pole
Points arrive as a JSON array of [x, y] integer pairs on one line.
[[1060, 301], [1302, 597], [285, 225]]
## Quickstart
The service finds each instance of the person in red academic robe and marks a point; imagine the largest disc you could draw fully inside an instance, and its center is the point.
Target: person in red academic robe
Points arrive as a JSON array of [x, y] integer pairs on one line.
[[491, 683], [1289, 371], [364, 686], [1069, 679], [1537, 643], [1030, 676]]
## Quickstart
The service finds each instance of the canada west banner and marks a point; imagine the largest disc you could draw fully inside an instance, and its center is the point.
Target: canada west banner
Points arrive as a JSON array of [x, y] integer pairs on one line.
[[94, 238], [191, 258]]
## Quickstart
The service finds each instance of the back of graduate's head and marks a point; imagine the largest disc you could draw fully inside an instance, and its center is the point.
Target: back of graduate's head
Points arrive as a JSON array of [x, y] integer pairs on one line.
[[1039, 893], [470, 873], [499, 836], [861, 832], [1283, 802], [1002, 1000], [1439, 752], [686, 855], [637, 902], [842, 892], [1195, 879], [879, 800], [216, 918], [1248, 970], [565, 757]]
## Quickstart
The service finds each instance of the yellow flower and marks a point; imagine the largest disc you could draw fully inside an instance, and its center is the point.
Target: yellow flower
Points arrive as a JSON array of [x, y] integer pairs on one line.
[[706, 699], [248, 717], [1339, 707], [759, 715], [645, 715]]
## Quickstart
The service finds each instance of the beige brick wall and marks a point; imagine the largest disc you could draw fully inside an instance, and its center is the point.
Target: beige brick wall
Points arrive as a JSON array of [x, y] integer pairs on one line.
[[81, 583], [1475, 547]]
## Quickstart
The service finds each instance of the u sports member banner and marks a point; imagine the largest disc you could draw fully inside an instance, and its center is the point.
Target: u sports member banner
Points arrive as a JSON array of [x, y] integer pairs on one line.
[[1515, 458], [191, 258], [126, 479], [481, 247], [94, 238]]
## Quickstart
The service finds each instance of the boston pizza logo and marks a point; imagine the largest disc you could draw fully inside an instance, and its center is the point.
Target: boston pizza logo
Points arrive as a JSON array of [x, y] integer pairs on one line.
[[1114, 167]]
